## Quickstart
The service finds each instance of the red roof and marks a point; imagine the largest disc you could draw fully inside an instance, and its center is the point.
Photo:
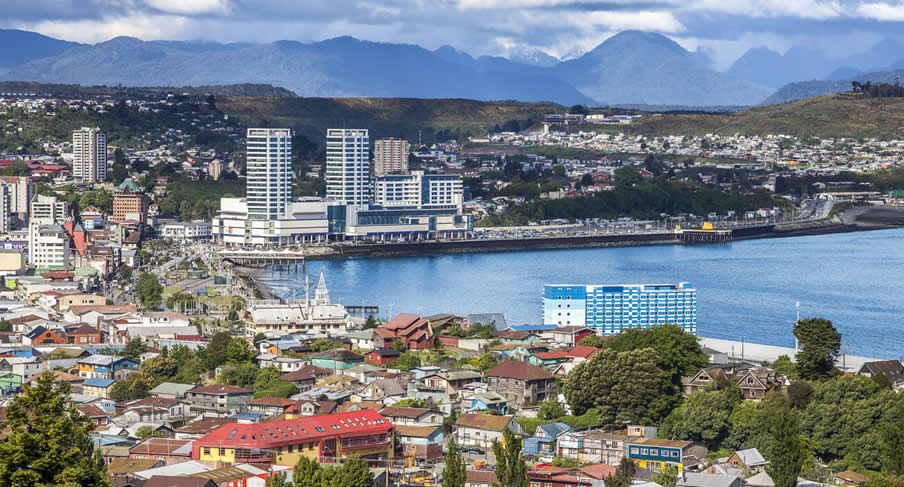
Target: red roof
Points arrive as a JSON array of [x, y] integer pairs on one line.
[[402, 320], [583, 351], [57, 275], [552, 355], [515, 369], [219, 389], [271, 401], [299, 430]]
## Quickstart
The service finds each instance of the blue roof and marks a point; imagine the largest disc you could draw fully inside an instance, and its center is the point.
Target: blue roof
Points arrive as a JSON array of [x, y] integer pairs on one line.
[[534, 327], [246, 415], [553, 430], [106, 440], [96, 382]]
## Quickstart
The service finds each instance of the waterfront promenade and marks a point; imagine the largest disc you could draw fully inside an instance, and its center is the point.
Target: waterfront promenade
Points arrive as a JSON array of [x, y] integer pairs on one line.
[[759, 353]]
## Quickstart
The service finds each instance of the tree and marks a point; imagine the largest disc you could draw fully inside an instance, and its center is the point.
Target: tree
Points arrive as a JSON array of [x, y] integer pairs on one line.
[[591, 341], [147, 431], [149, 290], [5, 325], [486, 362], [399, 345], [784, 366], [510, 467], [159, 369], [799, 393], [267, 384], [455, 470], [135, 348], [48, 440], [703, 417], [406, 361], [820, 345], [241, 375], [586, 180], [306, 473], [355, 472], [125, 272], [624, 386], [324, 344], [626, 177], [185, 211], [215, 353], [623, 474], [277, 479], [667, 477], [258, 338], [370, 323], [892, 442], [551, 409], [135, 386], [238, 351], [788, 454]]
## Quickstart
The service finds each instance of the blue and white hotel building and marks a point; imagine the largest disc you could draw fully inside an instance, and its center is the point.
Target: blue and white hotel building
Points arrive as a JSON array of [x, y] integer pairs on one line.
[[609, 309]]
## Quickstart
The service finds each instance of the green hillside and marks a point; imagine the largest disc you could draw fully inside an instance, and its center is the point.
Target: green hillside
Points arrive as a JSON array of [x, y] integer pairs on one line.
[[840, 115], [385, 117]]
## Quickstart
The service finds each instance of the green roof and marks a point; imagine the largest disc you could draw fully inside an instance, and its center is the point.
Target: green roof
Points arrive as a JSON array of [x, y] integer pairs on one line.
[[129, 185], [172, 388], [86, 271]]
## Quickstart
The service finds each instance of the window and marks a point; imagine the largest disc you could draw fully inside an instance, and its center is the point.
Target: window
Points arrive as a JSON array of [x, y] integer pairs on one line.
[[644, 451], [207, 451]]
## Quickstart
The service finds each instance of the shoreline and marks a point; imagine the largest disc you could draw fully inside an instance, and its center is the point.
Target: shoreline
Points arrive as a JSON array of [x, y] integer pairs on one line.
[[760, 352]]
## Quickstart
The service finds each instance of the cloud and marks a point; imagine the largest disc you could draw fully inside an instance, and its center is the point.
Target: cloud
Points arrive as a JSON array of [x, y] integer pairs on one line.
[[190, 7], [882, 11]]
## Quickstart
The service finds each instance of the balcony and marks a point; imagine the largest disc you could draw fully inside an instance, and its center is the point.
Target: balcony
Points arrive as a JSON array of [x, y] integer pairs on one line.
[[365, 442]]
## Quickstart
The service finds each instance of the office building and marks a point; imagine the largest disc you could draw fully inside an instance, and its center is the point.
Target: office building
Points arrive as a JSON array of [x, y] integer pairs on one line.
[[269, 164], [129, 203], [391, 156], [89, 155], [418, 190], [46, 211], [49, 246], [609, 309], [348, 166]]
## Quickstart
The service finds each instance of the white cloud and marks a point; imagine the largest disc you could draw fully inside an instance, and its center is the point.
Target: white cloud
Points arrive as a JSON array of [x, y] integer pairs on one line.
[[191, 7], [146, 27], [882, 11]]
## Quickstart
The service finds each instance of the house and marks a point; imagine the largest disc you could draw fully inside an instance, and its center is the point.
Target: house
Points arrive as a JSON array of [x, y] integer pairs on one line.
[[284, 364], [361, 340], [654, 454], [521, 382], [850, 478], [703, 379], [170, 390], [412, 416], [519, 337], [420, 443], [593, 446], [311, 407], [218, 399], [97, 386], [583, 352], [201, 427], [97, 415], [544, 439], [152, 409], [322, 438], [123, 466], [167, 450], [42, 336], [749, 458], [489, 400], [892, 370], [270, 406], [479, 430], [383, 389], [24, 367], [106, 367], [452, 381], [691, 479], [415, 332], [83, 334], [551, 476], [305, 377], [178, 481], [755, 383], [570, 335], [383, 356], [481, 478], [761, 479], [336, 359], [549, 360]]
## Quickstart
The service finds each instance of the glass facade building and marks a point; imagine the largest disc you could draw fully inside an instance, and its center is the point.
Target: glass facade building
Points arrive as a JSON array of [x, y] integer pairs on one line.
[[269, 182]]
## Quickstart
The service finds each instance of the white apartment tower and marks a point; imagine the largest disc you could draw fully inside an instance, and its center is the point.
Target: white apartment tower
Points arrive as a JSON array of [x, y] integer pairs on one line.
[[348, 166], [391, 156], [5, 208], [89, 155], [48, 243], [269, 182]]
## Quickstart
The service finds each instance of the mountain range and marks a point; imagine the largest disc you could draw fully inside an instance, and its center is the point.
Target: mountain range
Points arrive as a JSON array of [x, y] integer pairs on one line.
[[632, 67]]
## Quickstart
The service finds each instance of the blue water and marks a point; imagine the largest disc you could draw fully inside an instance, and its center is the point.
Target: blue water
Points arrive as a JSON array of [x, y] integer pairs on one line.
[[745, 289]]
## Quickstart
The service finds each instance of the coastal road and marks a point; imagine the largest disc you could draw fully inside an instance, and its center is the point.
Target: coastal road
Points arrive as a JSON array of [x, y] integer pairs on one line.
[[768, 353]]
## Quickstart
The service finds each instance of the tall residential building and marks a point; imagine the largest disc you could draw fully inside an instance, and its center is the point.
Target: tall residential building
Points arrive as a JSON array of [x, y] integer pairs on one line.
[[21, 190], [5, 216], [348, 166], [45, 211], [89, 155], [269, 182], [215, 168], [48, 246], [391, 156], [418, 190], [610, 309]]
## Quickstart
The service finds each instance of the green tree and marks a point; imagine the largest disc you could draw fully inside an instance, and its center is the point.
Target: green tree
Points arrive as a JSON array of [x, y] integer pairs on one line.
[[324, 344], [784, 366], [258, 338], [511, 471], [703, 417], [592, 341], [277, 479], [455, 470], [267, 384], [486, 362], [241, 375], [5, 325], [406, 361], [624, 386], [149, 290], [306, 473], [666, 477], [185, 211], [586, 180], [135, 348], [820, 345], [48, 440], [147, 431], [627, 177], [238, 351], [788, 454], [565, 462], [215, 353], [125, 272], [355, 473], [135, 386], [371, 322], [551, 409], [399, 345], [799, 394], [893, 441], [623, 474], [159, 369]]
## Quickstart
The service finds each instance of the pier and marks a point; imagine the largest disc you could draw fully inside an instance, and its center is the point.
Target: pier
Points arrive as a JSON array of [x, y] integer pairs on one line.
[[261, 258], [707, 234]]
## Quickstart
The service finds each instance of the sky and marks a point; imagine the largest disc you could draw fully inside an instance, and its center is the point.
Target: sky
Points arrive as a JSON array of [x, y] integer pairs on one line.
[[724, 29]]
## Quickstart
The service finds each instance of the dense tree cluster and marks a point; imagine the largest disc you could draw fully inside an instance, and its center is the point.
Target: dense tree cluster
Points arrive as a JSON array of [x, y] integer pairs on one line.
[[355, 472]]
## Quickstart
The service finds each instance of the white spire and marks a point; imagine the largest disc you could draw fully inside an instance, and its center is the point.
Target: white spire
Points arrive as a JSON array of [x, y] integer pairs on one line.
[[321, 294]]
